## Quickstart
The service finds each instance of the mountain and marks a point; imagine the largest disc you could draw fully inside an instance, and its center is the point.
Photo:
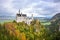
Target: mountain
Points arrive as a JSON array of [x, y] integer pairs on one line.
[[42, 19], [56, 17], [55, 23]]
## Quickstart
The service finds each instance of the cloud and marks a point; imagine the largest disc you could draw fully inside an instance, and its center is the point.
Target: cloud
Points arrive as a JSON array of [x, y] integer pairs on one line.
[[55, 1], [39, 8], [6, 7]]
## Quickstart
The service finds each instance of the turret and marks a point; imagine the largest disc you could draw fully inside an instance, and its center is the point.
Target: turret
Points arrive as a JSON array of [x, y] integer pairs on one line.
[[19, 11], [32, 16]]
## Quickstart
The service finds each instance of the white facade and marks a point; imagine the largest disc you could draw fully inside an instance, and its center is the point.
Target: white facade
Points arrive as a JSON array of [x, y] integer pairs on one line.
[[28, 21], [22, 17]]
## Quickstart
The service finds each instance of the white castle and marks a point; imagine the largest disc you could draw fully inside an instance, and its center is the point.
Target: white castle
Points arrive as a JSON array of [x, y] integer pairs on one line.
[[23, 17]]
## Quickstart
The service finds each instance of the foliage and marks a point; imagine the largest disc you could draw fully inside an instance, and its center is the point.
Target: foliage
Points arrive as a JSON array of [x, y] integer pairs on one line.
[[23, 31]]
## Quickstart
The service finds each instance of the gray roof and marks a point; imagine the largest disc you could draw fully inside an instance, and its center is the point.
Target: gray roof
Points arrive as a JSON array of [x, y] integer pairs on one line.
[[24, 15]]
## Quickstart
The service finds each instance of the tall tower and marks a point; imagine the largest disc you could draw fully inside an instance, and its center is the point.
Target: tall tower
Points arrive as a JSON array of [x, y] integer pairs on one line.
[[32, 16], [19, 11], [17, 14]]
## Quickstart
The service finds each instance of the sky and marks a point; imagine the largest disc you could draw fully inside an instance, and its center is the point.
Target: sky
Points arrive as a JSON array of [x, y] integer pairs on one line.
[[39, 8]]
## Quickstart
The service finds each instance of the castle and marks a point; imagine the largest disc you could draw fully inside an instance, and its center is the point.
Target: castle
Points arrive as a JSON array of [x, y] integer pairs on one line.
[[23, 17]]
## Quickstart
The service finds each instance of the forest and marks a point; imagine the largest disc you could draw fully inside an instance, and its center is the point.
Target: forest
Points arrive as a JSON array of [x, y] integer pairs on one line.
[[23, 31]]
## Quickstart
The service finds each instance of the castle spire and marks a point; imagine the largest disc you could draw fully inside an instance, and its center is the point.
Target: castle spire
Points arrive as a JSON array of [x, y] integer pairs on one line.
[[32, 16], [19, 11]]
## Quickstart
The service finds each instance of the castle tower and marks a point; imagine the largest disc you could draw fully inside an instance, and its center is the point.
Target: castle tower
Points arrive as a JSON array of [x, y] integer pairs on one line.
[[17, 14], [19, 11], [32, 16]]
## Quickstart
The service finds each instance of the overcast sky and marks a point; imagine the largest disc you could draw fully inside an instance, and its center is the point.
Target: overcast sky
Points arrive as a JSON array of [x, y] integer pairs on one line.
[[39, 8]]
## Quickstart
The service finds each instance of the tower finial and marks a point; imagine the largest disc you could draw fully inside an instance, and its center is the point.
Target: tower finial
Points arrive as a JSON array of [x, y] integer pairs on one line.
[[32, 16], [19, 11]]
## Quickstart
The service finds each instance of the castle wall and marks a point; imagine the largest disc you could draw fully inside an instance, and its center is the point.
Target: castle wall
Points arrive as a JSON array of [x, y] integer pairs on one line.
[[20, 19]]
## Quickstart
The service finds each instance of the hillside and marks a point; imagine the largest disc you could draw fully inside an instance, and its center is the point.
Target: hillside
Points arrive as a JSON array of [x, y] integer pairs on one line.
[[55, 23], [22, 31], [56, 17]]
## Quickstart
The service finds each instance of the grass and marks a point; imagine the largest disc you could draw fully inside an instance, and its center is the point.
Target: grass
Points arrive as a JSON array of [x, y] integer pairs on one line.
[[2, 21], [45, 23]]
